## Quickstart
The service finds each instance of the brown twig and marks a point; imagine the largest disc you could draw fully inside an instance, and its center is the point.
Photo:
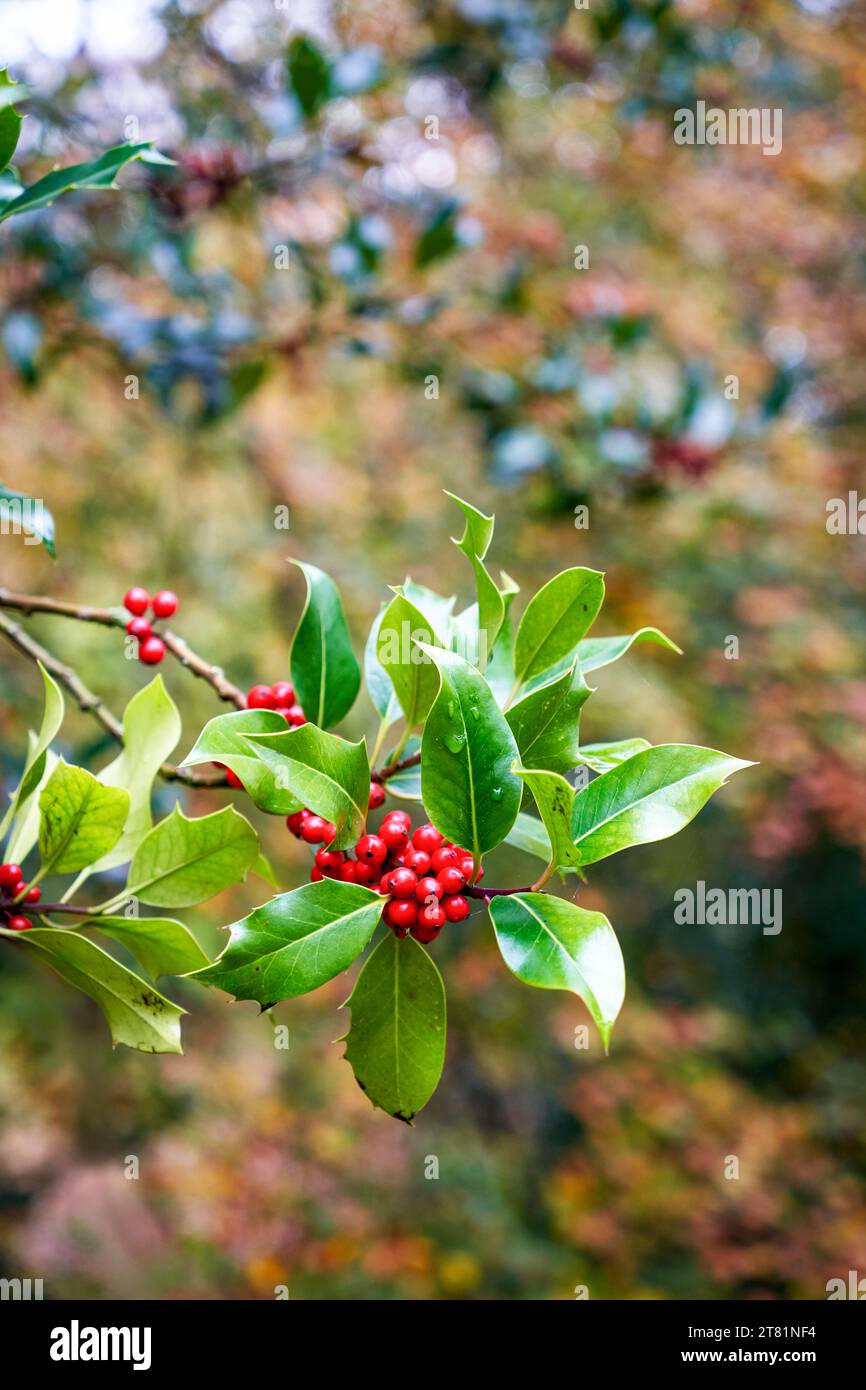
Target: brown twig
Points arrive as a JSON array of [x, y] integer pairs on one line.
[[91, 703], [214, 675], [385, 772], [115, 617], [37, 603]]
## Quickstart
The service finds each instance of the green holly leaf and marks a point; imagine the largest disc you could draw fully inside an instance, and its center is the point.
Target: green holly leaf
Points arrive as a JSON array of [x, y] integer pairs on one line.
[[183, 862], [413, 675], [296, 942], [595, 652], [439, 237], [478, 531], [467, 752], [554, 797], [325, 673], [309, 73], [546, 722], [161, 945], [80, 820], [326, 773], [96, 173], [223, 740], [396, 1044], [27, 514], [151, 730], [601, 757], [137, 1015], [263, 868], [474, 543], [25, 831], [528, 833], [436, 609], [10, 119], [35, 764], [553, 944], [500, 668], [649, 797], [379, 684], [555, 620]]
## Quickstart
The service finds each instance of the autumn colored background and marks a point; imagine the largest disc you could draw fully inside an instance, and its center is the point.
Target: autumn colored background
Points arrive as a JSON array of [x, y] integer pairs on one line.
[[429, 331]]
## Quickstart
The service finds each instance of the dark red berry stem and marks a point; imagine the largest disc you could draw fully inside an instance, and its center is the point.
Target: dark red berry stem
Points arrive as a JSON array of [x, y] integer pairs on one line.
[[476, 892]]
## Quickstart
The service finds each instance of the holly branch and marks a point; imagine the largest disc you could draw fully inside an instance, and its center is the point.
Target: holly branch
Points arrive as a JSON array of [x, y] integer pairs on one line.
[[85, 698], [93, 704]]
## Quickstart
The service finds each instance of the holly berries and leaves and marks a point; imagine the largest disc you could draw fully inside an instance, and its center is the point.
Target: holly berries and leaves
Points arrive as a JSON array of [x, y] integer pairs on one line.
[[479, 717]]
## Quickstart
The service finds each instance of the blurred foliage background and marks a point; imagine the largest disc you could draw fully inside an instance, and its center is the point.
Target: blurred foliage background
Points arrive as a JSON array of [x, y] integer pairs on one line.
[[358, 287]]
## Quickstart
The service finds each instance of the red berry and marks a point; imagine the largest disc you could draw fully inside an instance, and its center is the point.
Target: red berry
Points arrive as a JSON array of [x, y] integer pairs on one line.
[[417, 861], [431, 920], [401, 883], [377, 795], [295, 821], [19, 924], [444, 858], [164, 603], [371, 849], [314, 830], [233, 780], [425, 934], [140, 628], [427, 838], [283, 693], [366, 873], [452, 879], [151, 651], [11, 877], [429, 888], [260, 697], [394, 834], [399, 817], [347, 871], [316, 875], [296, 716], [136, 601], [467, 866], [402, 913], [456, 908], [329, 860], [432, 915], [33, 895]]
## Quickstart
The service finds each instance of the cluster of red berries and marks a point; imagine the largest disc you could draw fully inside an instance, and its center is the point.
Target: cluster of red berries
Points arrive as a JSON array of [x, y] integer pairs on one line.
[[421, 873], [11, 887], [151, 649], [282, 700]]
